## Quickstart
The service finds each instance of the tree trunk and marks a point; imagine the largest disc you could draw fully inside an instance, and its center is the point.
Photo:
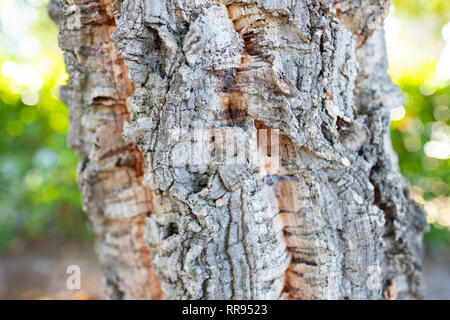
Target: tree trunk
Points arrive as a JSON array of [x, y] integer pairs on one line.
[[248, 154]]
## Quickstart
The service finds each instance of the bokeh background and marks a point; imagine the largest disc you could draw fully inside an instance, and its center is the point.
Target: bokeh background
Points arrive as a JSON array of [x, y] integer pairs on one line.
[[42, 227]]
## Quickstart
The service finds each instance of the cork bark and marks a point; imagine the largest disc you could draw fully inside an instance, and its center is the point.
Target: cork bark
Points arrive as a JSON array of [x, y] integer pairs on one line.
[[243, 145]]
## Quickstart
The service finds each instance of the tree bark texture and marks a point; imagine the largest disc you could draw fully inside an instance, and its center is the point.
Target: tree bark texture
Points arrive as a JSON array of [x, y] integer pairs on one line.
[[180, 214]]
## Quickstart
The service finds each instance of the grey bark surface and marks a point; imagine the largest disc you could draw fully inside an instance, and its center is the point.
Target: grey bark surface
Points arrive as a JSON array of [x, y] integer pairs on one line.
[[333, 221]]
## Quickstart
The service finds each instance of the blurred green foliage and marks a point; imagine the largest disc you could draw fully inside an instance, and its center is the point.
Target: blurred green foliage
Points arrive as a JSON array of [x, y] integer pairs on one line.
[[438, 9], [38, 193], [427, 117]]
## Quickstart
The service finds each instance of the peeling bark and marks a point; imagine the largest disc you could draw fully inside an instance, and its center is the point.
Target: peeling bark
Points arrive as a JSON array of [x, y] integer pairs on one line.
[[223, 90]]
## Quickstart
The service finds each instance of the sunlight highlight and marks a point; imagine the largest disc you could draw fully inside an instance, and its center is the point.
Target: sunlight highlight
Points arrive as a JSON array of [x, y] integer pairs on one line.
[[398, 113]]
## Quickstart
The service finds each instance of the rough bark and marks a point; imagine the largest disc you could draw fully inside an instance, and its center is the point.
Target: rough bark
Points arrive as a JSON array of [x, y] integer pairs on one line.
[[223, 90]]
